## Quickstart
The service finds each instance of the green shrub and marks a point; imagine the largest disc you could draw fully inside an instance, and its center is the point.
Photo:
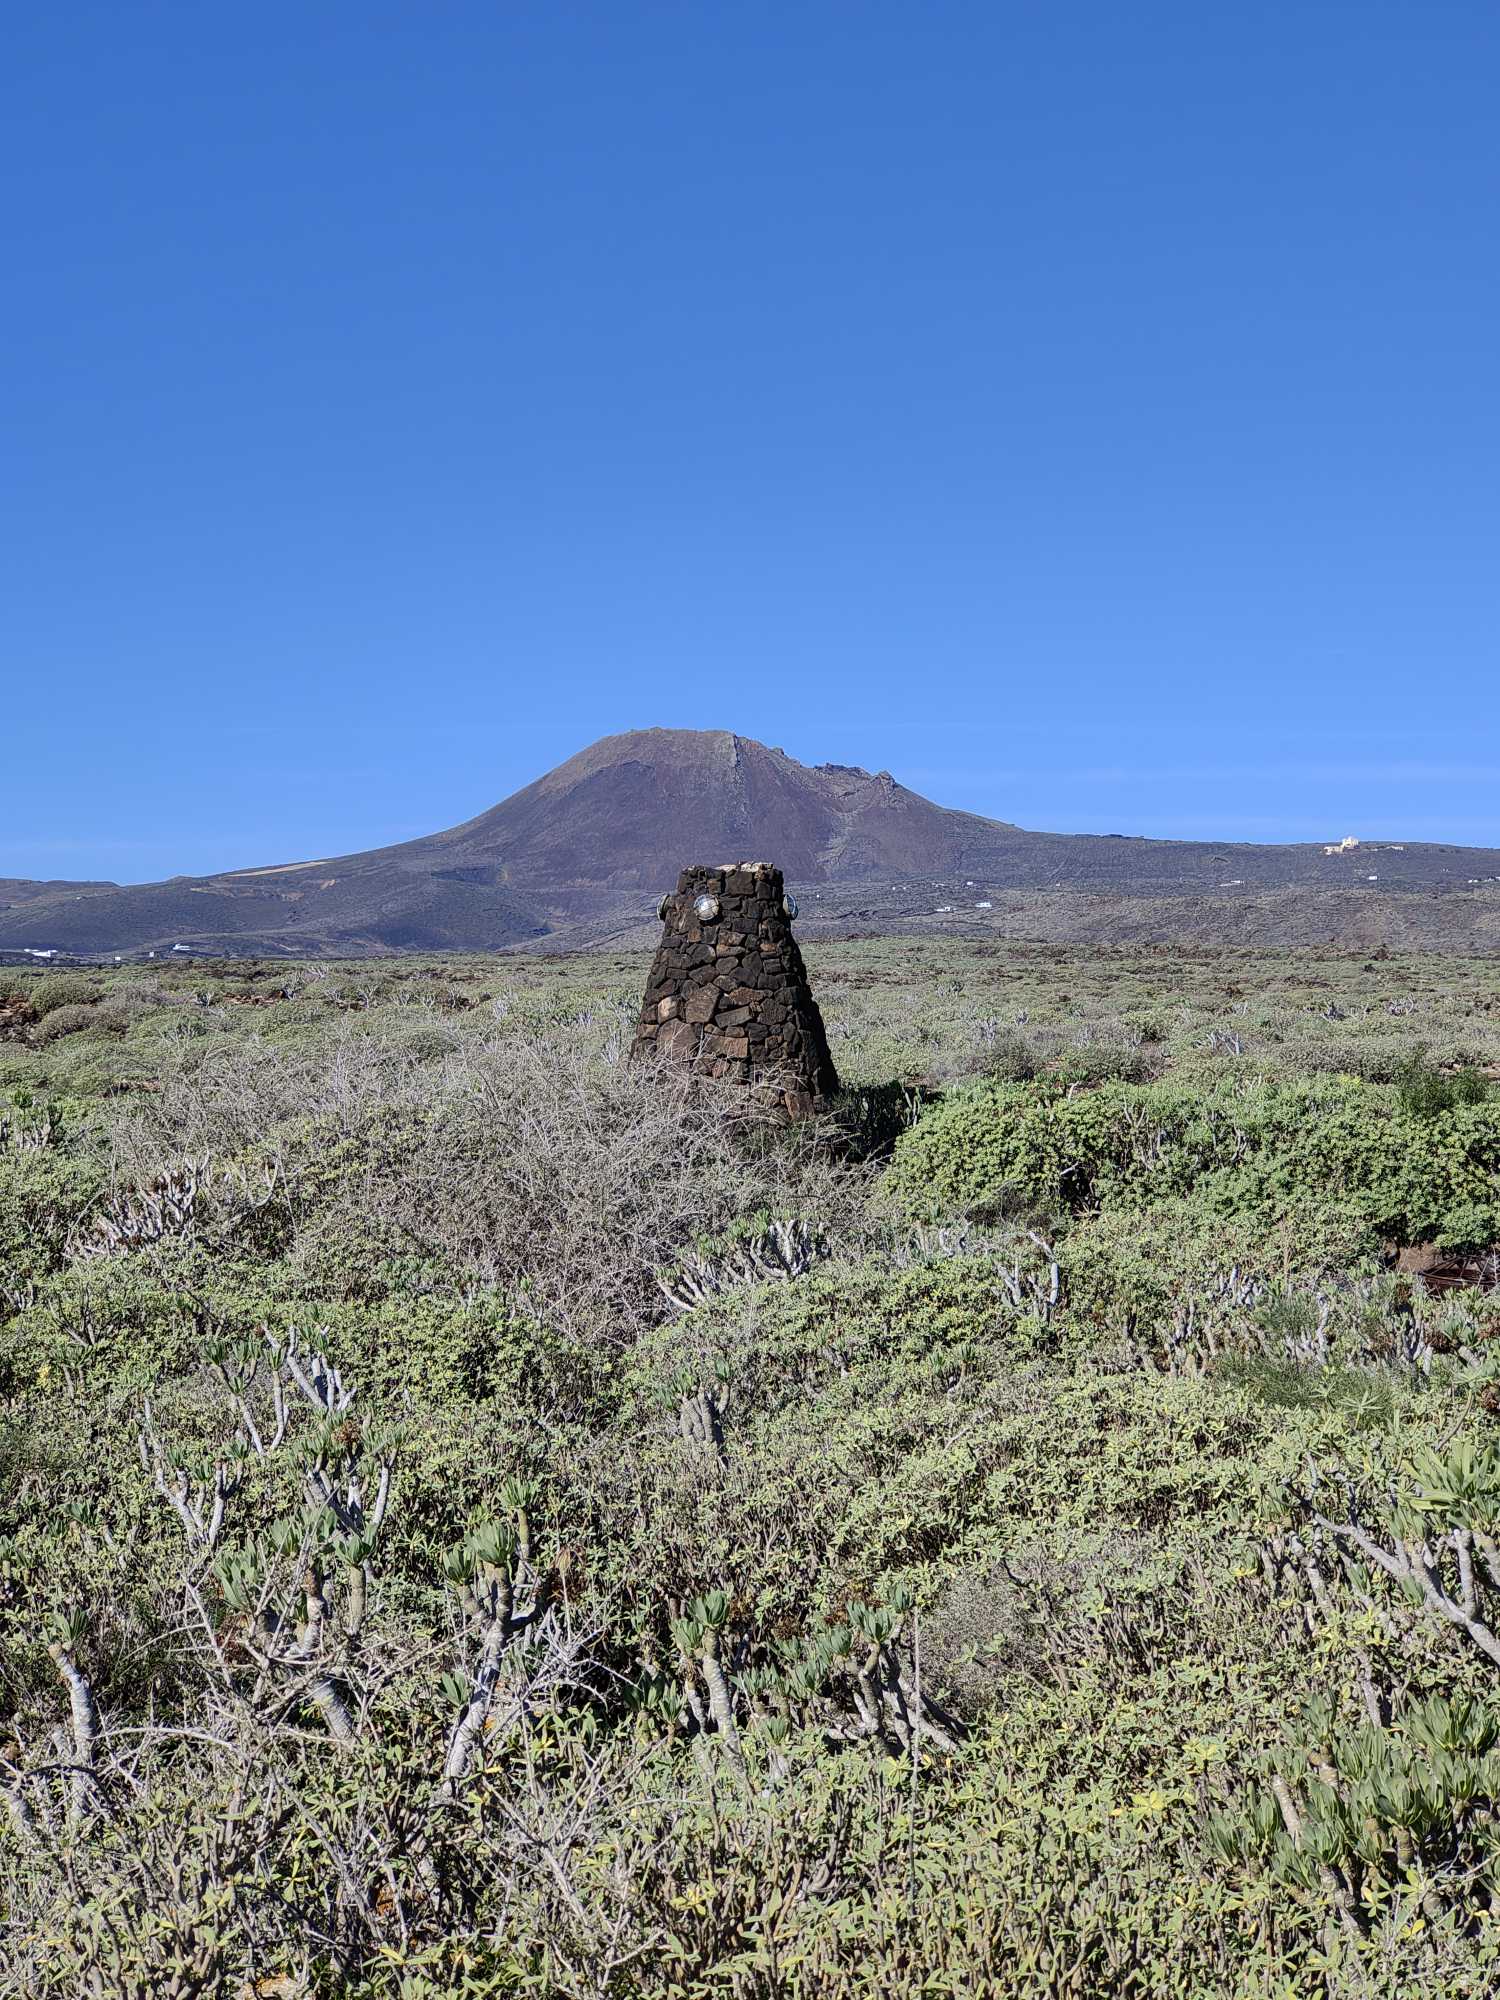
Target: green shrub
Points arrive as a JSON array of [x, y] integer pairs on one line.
[[59, 1022], [1008, 1057], [1256, 1149], [62, 989], [1427, 1092], [44, 1194], [780, 1341]]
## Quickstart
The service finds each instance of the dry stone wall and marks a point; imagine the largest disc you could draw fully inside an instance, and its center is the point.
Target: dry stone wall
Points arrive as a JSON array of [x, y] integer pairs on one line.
[[728, 990]]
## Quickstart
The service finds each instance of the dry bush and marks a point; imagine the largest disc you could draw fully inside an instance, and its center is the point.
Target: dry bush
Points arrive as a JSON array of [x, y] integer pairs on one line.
[[231, 1096], [1042, 1613], [532, 1158], [578, 1178]]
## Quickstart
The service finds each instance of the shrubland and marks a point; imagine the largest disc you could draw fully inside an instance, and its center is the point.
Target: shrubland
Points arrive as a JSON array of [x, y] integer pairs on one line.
[[480, 1518]]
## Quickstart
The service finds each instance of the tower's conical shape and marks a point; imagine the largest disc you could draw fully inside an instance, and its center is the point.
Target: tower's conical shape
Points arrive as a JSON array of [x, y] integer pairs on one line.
[[728, 990]]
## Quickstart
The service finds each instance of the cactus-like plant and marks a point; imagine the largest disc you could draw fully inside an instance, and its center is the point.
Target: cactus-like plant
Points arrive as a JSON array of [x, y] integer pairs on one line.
[[66, 1631]]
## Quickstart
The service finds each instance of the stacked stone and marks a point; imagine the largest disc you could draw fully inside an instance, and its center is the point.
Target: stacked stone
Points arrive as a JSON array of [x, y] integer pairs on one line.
[[728, 990]]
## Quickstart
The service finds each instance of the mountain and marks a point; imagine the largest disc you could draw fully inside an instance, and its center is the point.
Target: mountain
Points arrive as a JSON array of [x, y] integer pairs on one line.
[[584, 853], [626, 813]]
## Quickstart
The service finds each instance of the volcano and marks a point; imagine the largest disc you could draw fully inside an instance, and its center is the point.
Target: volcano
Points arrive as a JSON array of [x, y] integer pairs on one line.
[[584, 853]]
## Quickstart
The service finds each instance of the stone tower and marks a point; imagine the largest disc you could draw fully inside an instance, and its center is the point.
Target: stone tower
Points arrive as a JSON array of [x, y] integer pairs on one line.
[[728, 989]]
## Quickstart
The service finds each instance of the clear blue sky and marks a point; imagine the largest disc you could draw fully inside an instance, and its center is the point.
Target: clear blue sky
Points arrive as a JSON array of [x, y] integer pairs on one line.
[[1089, 412]]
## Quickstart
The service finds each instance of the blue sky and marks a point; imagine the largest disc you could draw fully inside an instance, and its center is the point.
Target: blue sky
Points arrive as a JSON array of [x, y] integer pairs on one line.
[[1090, 413]]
